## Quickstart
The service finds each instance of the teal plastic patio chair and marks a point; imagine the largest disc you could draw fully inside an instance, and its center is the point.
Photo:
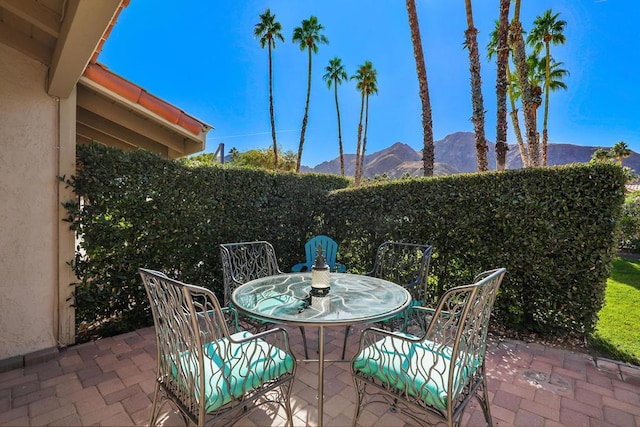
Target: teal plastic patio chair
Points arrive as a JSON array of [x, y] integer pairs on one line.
[[432, 371], [212, 372], [329, 249]]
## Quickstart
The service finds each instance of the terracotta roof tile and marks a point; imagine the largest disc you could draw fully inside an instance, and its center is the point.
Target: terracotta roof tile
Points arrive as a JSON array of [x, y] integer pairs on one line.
[[100, 74], [106, 34]]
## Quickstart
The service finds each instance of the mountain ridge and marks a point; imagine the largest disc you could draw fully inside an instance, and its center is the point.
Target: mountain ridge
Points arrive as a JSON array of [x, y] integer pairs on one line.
[[455, 153]]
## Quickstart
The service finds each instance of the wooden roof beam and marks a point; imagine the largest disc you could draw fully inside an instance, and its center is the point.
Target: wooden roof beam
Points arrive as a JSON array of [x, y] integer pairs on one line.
[[83, 26]]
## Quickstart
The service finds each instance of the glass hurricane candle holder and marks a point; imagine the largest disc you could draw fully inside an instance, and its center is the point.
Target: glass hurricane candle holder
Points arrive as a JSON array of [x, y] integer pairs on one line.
[[320, 275]]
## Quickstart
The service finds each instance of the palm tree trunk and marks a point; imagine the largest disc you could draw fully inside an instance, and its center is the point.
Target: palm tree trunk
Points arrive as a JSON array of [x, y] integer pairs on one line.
[[516, 43], [477, 116], [547, 89], [273, 120], [516, 124], [428, 157], [502, 84], [335, 87], [306, 113], [514, 110], [356, 176], [364, 138], [518, 132]]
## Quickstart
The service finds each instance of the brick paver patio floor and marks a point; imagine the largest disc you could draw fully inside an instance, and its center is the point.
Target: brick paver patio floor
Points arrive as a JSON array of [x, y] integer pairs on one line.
[[110, 383]]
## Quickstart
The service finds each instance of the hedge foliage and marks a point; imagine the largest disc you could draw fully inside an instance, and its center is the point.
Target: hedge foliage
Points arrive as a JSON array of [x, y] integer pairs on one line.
[[630, 223], [141, 210], [554, 229]]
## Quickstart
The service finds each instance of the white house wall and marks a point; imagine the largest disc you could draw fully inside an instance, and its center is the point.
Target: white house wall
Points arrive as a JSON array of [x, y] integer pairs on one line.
[[28, 207]]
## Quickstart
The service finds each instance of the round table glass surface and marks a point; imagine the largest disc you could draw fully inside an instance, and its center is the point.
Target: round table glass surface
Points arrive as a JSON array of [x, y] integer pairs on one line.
[[351, 299]]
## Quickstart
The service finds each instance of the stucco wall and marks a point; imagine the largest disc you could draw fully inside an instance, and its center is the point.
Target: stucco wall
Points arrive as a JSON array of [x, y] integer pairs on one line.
[[28, 206]]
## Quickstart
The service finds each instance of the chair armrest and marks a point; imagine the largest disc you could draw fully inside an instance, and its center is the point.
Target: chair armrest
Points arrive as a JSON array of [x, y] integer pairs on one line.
[[372, 335], [427, 310], [299, 267], [231, 316], [262, 335], [277, 337]]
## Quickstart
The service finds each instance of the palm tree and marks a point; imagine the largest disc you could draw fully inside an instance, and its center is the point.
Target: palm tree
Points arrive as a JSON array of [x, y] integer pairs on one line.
[[492, 48], [371, 89], [268, 30], [234, 153], [547, 30], [359, 77], [502, 84], [620, 151], [308, 37], [601, 155], [428, 156], [516, 43], [537, 77], [366, 84], [557, 76], [477, 116], [336, 74]]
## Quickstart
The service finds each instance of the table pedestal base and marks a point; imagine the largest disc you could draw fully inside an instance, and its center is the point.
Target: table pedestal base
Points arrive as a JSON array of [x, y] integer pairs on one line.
[[320, 374]]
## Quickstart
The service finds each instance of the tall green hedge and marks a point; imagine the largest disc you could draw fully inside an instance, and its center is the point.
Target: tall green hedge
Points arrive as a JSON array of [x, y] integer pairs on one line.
[[141, 210], [554, 229]]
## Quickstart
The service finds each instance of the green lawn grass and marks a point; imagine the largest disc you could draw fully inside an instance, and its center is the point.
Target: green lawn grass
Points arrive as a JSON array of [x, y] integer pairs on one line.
[[617, 334]]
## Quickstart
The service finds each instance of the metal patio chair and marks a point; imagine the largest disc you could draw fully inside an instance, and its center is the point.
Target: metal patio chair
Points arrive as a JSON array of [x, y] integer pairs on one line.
[[406, 264], [329, 249], [212, 374], [431, 373], [246, 261]]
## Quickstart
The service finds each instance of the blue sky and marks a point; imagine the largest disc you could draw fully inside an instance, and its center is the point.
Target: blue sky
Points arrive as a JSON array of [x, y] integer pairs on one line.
[[201, 56]]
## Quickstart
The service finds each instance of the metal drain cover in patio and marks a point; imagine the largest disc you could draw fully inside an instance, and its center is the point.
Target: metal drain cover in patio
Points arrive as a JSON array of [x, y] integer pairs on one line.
[[551, 382]]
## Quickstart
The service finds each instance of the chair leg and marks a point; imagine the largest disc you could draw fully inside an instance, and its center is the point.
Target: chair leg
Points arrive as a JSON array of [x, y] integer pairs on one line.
[[154, 406], [304, 342], [484, 403], [285, 392], [359, 402], [344, 344]]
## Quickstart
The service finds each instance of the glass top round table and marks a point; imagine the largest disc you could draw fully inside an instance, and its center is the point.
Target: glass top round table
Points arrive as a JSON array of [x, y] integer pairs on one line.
[[352, 299]]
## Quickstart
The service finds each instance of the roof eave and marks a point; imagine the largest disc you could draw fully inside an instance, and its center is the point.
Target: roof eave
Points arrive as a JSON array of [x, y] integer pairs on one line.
[[197, 138]]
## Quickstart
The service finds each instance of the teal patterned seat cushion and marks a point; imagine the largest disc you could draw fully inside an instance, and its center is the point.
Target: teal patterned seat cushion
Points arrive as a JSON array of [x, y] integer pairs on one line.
[[418, 369], [250, 365]]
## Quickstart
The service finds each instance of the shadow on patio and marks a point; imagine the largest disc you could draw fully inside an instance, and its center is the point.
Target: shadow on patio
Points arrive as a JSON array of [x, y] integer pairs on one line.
[[110, 383]]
